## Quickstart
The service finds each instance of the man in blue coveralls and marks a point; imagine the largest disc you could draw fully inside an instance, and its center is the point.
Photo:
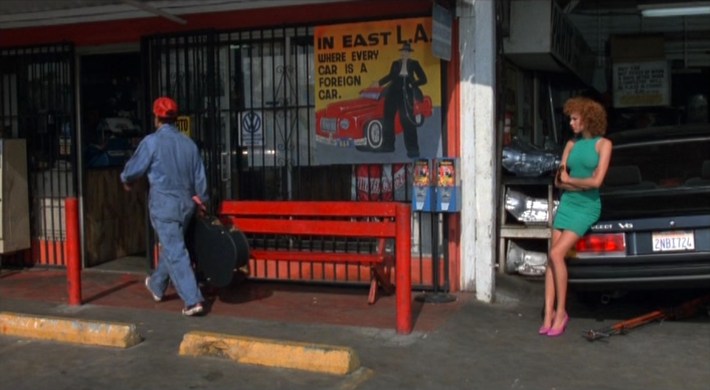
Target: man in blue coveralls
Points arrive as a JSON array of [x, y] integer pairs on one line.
[[176, 173]]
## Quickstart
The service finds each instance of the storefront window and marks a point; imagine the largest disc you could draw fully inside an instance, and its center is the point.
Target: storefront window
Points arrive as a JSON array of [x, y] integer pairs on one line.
[[271, 91]]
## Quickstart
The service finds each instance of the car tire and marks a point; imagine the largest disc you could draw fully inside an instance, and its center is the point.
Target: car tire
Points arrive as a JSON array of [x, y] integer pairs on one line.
[[374, 134]]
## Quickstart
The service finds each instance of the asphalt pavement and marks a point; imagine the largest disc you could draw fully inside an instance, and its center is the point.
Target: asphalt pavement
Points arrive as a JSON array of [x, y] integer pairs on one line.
[[475, 346]]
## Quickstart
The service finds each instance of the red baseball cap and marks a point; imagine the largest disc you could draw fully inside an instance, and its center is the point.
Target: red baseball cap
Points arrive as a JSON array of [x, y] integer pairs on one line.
[[164, 107]]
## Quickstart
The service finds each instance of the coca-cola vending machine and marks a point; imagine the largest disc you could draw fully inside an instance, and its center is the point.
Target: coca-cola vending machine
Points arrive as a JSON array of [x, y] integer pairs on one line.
[[368, 182], [380, 182]]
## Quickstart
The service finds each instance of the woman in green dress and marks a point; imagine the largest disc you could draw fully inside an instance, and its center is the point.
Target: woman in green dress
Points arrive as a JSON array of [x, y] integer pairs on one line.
[[585, 161]]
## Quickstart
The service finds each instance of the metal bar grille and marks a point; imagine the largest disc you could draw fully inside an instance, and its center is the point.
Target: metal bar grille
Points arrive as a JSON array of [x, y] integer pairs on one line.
[[251, 96], [37, 103]]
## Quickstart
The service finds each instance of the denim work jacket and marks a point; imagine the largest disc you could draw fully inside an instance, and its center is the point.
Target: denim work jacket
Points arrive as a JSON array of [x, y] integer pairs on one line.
[[175, 172]]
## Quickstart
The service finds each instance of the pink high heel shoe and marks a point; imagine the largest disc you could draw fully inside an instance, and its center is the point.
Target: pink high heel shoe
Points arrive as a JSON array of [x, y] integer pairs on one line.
[[558, 332], [544, 329]]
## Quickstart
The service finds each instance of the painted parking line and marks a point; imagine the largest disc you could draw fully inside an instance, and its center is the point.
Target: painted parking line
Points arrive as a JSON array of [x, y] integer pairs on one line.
[[70, 330], [321, 358]]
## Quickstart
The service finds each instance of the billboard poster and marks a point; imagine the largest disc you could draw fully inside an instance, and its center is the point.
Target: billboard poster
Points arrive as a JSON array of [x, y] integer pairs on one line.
[[378, 92]]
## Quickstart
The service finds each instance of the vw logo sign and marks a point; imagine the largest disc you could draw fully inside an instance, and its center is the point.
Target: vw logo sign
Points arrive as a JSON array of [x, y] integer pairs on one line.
[[251, 122]]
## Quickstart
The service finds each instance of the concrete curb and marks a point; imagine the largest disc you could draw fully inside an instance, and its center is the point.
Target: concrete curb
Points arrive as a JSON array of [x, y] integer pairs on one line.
[[321, 358], [107, 334]]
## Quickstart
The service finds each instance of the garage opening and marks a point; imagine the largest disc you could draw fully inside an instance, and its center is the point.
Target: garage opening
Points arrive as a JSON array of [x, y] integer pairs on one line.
[[115, 224]]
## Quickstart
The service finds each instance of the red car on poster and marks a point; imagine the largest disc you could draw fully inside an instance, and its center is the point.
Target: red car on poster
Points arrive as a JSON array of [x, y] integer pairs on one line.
[[358, 122]]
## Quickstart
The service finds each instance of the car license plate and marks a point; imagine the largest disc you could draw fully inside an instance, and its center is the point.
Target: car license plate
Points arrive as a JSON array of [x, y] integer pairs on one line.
[[673, 241], [328, 124]]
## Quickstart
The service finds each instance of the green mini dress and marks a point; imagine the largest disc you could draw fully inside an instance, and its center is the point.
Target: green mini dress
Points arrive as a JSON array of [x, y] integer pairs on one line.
[[579, 210]]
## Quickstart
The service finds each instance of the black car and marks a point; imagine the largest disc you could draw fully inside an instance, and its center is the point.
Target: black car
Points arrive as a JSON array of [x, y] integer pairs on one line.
[[654, 230]]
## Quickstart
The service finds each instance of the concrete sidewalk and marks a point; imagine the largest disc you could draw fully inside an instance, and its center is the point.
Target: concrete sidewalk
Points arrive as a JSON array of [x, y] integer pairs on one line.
[[460, 345]]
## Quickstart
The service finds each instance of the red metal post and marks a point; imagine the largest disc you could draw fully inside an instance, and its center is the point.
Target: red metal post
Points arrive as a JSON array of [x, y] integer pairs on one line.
[[403, 268], [73, 263], [156, 255]]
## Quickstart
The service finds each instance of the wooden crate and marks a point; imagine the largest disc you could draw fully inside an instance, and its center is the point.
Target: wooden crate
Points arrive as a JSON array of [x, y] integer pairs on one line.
[[115, 220]]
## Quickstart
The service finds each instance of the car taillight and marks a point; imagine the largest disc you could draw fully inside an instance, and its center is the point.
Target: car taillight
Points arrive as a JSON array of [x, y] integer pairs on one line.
[[601, 245]]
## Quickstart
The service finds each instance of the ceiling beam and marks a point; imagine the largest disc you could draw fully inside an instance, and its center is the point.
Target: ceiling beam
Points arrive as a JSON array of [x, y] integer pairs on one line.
[[15, 14], [154, 11], [569, 8]]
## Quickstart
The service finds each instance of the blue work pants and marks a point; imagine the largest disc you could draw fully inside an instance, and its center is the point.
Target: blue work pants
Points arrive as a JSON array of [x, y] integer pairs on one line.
[[174, 261]]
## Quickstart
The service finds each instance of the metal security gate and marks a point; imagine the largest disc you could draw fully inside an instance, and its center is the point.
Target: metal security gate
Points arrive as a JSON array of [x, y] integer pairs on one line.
[[37, 103], [249, 100], [183, 67], [272, 71]]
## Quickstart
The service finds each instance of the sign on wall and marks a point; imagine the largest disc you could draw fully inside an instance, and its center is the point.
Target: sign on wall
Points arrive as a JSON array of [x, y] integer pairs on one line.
[[378, 92], [641, 84], [441, 32], [184, 125], [252, 129]]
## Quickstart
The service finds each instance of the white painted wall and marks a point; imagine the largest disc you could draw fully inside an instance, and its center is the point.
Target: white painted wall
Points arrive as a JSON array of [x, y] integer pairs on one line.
[[478, 136]]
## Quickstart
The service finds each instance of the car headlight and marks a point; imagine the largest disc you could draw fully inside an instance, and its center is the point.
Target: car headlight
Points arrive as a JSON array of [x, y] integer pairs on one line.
[[527, 209], [344, 124], [524, 261]]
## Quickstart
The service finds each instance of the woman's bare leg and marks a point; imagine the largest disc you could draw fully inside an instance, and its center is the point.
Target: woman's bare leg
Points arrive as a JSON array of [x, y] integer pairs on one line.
[[550, 284], [559, 249]]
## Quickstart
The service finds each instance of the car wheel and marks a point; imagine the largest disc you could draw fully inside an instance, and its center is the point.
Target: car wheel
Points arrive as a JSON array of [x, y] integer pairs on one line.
[[373, 133]]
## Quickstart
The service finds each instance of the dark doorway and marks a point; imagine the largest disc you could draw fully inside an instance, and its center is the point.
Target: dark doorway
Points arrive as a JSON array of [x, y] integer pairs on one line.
[[111, 117]]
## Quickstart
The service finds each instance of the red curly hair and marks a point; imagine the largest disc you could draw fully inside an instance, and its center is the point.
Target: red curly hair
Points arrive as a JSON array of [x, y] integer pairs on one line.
[[592, 113]]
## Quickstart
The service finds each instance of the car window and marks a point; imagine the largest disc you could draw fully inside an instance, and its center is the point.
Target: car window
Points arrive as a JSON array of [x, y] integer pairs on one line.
[[664, 164], [658, 177]]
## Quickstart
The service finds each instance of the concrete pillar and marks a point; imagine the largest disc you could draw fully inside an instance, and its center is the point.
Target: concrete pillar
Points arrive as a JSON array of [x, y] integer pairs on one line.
[[477, 34]]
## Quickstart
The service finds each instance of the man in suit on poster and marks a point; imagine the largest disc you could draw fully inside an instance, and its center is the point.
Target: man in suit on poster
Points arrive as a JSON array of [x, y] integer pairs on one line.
[[403, 81]]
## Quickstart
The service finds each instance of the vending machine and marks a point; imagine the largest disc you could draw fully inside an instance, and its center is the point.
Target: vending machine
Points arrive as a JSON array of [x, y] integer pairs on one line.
[[447, 186], [422, 196]]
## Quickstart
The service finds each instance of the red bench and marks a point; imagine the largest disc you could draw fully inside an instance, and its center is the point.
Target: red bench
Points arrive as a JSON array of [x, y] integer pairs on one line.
[[277, 230]]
